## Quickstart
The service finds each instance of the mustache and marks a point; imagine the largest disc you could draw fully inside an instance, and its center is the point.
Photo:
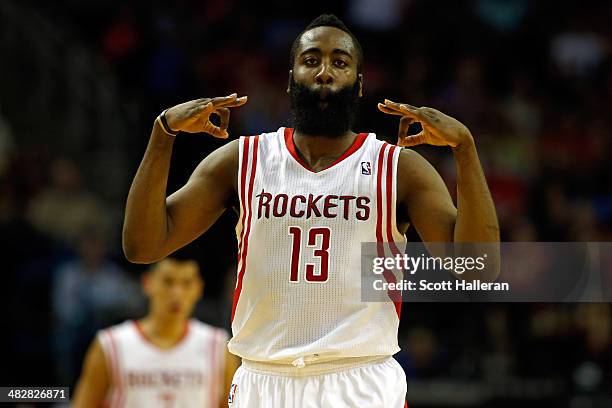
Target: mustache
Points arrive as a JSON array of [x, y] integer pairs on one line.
[[334, 119], [323, 93]]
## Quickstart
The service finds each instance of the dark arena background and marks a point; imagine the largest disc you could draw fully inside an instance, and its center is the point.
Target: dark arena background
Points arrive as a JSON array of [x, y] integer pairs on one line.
[[82, 81]]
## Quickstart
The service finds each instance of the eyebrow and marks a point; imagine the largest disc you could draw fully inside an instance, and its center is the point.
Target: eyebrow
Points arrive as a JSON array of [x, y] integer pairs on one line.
[[334, 51]]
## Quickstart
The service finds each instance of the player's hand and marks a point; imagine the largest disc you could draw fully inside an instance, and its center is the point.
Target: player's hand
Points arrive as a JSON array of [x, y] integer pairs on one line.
[[194, 116], [438, 129]]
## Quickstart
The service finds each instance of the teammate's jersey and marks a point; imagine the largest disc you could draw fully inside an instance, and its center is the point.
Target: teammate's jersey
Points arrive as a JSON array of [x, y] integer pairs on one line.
[[298, 290], [190, 374]]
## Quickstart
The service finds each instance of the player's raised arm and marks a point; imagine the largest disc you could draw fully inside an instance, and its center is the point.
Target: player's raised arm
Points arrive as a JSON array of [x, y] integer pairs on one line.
[[94, 382], [423, 194], [155, 226]]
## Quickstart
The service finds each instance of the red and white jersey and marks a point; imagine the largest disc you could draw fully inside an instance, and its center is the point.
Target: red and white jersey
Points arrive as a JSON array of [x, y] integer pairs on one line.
[[190, 374], [298, 290]]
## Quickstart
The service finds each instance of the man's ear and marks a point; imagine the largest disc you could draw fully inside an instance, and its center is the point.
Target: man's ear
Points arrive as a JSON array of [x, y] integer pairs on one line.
[[360, 79], [289, 80]]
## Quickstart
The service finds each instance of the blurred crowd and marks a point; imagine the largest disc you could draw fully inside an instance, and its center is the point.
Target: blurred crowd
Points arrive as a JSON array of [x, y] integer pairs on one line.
[[531, 79]]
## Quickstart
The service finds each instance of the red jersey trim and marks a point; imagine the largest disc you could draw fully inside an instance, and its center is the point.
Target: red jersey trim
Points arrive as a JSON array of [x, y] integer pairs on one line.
[[119, 394], [246, 229], [394, 295], [390, 208], [357, 143], [397, 295], [146, 339], [379, 206], [245, 163]]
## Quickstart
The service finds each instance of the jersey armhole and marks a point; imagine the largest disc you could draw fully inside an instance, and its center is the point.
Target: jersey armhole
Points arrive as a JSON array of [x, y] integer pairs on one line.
[[394, 227], [102, 337]]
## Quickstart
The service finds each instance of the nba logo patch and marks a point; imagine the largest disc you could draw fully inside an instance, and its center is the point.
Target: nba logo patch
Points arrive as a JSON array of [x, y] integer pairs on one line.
[[232, 393], [366, 168]]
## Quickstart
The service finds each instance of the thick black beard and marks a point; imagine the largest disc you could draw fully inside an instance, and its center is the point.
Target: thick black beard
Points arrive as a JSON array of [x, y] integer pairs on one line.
[[336, 119]]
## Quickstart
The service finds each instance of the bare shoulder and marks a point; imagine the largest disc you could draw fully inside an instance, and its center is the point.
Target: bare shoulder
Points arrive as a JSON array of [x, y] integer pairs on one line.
[[409, 157], [95, 357], [94, 382], [220, 165], [223, 158], [97, 361], [413, 169]]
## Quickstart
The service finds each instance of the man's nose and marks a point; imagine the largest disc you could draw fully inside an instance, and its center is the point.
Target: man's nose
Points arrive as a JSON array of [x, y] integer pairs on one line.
[[324, 76], [176, 291]]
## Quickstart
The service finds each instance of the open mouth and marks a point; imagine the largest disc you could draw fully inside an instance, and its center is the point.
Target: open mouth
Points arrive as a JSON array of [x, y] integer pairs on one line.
[[324, 94]]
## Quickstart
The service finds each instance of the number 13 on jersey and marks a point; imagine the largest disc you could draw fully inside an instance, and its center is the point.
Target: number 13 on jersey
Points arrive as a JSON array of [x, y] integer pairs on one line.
[[317, 241]]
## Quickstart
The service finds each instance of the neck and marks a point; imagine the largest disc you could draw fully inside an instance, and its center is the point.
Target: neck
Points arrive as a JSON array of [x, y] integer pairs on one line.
[[162, 329], [318, 151]]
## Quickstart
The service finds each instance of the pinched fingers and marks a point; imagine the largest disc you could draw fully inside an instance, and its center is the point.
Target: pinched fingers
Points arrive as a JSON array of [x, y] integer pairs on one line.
[[221, 130], [209, 105], [399, 106], [405, 123], [193, 116], [224, 115], [413, 140], [211, 129], [204, 121], [205, 108], [229, 101], [404, 109], [438, 128], [384, 109], [219, 106], [237, 102]]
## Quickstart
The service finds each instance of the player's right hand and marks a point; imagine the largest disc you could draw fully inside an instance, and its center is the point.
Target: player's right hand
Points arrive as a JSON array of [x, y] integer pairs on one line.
[[194, 116]]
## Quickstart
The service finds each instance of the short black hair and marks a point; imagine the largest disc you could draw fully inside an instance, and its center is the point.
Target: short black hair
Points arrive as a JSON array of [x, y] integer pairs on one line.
[[176, 259], [185, 254], [327, 20]]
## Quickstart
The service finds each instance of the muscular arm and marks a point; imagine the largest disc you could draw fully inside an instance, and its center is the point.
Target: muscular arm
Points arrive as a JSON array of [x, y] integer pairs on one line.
[[476, 217], [155, 226], [424, 200], [94, 382]]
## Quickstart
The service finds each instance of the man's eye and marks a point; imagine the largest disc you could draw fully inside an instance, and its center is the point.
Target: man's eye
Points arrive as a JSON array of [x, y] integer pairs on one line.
[[310, 61], [340, 63]]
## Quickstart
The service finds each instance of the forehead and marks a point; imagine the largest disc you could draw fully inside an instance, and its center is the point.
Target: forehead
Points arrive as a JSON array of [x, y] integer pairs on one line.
[[326, 39]]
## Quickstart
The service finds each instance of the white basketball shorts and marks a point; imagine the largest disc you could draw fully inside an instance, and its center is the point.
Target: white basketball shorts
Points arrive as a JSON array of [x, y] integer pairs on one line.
[[379, 384]]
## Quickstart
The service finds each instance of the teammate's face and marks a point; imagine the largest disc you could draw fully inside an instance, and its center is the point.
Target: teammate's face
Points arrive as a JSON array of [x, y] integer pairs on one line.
[[324, 85], [173, 288]]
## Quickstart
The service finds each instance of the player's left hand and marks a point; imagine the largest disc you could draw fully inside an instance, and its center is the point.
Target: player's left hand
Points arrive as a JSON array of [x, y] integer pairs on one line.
[[438, 129]]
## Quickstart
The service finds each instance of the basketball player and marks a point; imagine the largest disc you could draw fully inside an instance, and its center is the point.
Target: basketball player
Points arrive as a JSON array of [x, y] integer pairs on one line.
[[165, 360], [307, 197]]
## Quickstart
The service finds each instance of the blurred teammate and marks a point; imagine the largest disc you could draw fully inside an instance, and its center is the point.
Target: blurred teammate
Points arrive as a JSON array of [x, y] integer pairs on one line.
[[307, 197], [164, 360]]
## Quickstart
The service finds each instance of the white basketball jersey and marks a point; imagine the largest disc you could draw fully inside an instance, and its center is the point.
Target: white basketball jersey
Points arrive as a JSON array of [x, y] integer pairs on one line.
[[298, 290], [190, 374]]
